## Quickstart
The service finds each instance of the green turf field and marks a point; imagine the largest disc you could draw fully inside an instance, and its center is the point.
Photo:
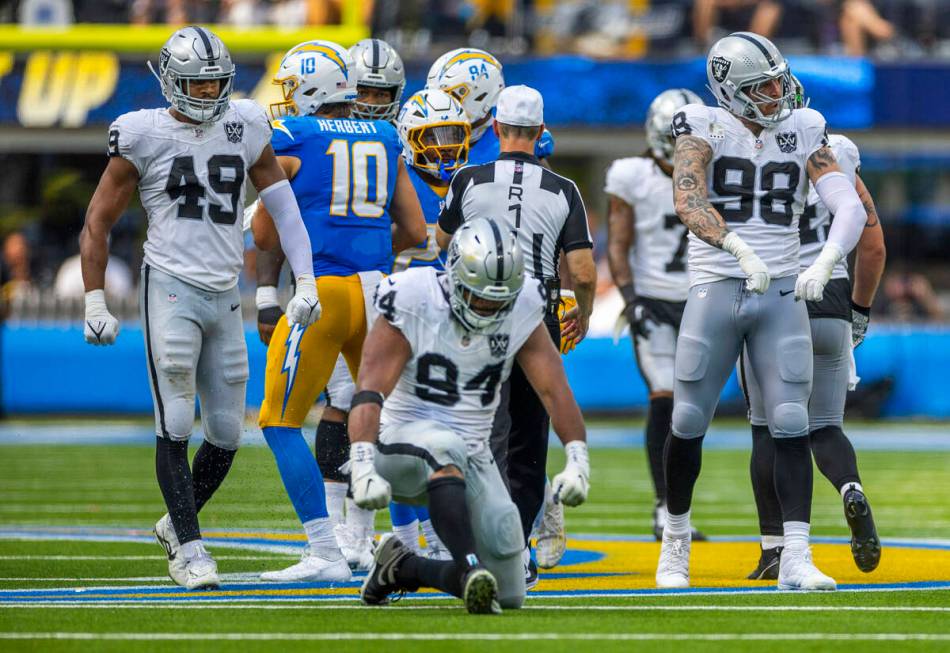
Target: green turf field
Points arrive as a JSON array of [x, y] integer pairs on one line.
[[46, 486]]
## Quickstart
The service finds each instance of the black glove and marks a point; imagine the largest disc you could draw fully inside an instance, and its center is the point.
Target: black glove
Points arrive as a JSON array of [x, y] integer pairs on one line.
[[860, 317], [636, 312], [270, 315]]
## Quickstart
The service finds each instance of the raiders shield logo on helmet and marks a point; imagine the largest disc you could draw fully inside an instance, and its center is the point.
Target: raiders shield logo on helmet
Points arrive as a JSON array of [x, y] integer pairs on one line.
[[787, 141], [235, 131], [163, 58], [498, 344], [720, 68]]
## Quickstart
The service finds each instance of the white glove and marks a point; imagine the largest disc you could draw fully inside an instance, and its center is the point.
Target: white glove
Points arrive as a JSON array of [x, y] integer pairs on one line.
[[304, 307], [370, 490], [757, 272], [810, 285], [249, 211], [101, 326], [570, 486]]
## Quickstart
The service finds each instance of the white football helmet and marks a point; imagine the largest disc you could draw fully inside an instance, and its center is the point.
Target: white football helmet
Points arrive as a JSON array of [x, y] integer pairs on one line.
[[736, 67], [437, 66], [434, 131], [474, 78], [377, 64], [659, 117], [484, 260], [311, 74], [194, 54]]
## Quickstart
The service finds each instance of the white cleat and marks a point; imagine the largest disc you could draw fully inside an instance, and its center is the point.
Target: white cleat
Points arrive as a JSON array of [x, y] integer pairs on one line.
[[201, 571], [165, 534], [311, 569], [552, 538], [356, 548], [798, 572], [672, 572]]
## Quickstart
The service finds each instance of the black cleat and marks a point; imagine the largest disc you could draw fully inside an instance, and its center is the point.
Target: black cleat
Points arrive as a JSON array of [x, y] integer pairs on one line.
[[768, 565], [530, 574], [865, 544], [380, 580], [480, 592]]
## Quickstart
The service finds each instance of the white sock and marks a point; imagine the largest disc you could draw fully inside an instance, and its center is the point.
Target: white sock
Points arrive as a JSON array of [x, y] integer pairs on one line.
[[432, 538], [772, 541], [191, 549], [360, 519], [408, 534], [321, 538], [851, 486], [677, 525], [336, 494], [796, 535]]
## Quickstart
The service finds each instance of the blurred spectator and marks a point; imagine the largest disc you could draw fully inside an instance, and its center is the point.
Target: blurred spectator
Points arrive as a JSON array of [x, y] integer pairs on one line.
[[69, 284], [174, 12], [859, 20], [15, 276], [908, 297], [759, 16], [45, 13]]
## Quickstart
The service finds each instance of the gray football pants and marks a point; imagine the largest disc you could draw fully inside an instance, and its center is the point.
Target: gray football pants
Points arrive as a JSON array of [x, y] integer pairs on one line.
[[194, 341], [831, 341], [720, 318], [408, 456]]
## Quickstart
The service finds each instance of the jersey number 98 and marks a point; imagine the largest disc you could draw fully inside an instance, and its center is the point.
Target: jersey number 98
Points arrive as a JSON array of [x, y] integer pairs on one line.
[[352, 170]]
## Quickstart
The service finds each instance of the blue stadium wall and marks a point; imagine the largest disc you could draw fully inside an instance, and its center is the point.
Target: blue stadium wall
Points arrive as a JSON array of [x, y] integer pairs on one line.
[[49, 370]]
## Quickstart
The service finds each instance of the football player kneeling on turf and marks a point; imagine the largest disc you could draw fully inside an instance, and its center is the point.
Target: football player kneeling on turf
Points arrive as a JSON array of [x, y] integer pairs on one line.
[[444, 343]]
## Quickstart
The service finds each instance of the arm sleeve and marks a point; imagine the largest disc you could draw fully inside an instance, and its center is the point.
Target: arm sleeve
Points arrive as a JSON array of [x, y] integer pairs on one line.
[[576, 232], [451, 218], [838, 194], [279, 200]]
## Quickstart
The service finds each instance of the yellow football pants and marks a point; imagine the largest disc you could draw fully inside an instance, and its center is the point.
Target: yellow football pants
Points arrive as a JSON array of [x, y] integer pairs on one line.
[[300, 360]]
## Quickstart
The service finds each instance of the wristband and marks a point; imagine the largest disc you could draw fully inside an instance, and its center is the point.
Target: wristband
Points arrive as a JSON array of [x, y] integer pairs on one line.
[[863, 310], [266, 297], [96, 300], [367, 397], [628, 293], [362, 452]]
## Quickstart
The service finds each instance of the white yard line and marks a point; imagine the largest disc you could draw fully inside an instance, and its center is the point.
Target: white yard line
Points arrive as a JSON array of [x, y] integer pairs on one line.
[[548, 636]]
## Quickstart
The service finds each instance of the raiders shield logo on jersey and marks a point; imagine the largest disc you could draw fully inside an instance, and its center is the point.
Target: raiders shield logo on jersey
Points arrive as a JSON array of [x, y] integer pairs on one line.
[[235, 131], [787, 141], [498, 344], [720, 68]]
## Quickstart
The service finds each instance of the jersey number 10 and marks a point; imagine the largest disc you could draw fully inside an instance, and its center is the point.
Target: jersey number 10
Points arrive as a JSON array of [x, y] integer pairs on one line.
[[351, 170]]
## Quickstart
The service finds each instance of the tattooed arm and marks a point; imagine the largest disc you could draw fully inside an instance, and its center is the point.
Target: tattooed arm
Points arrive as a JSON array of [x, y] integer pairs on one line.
[[870, 252], [821, 162], [690, 158]]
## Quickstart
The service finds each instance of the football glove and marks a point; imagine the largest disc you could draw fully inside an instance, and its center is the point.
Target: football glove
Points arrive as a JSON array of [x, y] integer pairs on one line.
[[568, 301], [810, 284], [570, 486], [101, 327], [304, 307], [860, 317], [757, 272], [544, 147], [370, 490], [268, 312], [640, 318]]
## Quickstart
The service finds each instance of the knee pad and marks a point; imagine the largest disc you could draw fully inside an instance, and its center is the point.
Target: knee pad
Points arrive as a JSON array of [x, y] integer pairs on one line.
[[234, 362], [223, 429], [332, 450], [688, 420], [789, 420], [501, 528], [692, 358], [795, 359]]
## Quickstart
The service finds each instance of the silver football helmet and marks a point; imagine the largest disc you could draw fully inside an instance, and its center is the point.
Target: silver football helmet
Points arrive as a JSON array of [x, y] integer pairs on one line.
[[377, 64], [195, 54], [659, 117], [736, 68], [483, 261]]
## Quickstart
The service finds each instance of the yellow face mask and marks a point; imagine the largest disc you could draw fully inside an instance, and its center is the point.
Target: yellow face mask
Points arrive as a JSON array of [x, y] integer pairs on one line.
[[441, 148], [288, 85]]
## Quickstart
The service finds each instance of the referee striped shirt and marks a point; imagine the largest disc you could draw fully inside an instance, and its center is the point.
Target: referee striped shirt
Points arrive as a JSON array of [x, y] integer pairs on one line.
[[542, 207]]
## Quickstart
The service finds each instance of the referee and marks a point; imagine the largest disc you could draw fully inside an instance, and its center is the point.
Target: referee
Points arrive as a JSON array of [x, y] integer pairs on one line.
[[547, 213]]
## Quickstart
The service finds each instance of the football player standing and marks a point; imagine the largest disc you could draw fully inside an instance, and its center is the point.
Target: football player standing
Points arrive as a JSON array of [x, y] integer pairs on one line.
[[646, 252], [741, 173], [368, 210], [190, 162], [430, 378], [838, 323]]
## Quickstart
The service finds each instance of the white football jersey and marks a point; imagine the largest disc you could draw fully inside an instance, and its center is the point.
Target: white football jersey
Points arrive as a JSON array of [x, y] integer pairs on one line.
[[658, 254], [453, 376], [191, 183], [758, 184], [816, 219]]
